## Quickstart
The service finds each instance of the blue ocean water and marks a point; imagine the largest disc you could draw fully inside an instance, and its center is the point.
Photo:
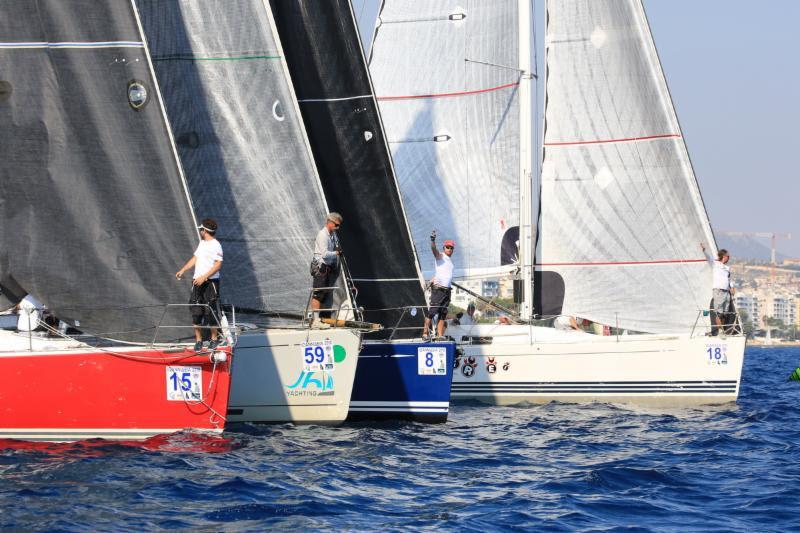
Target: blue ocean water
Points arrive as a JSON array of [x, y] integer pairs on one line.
[[554, 467]]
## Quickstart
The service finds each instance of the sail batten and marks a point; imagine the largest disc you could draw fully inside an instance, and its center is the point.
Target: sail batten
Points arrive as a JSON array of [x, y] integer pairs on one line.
[[621, 217]]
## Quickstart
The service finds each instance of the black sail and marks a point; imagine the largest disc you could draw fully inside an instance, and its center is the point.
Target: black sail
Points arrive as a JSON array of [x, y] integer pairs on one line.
[[331, 80], [95, 214]]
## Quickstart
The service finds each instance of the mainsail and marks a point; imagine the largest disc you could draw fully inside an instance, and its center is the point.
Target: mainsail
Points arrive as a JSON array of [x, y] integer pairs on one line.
[[93, 207], [621, 217], [241, 140], [340, 113], [447, 78]]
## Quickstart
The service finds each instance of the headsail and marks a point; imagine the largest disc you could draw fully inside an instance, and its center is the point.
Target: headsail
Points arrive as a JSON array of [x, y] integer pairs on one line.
[[242, 143], [447, 78], [341, 116], [621, 218], [94, 211]]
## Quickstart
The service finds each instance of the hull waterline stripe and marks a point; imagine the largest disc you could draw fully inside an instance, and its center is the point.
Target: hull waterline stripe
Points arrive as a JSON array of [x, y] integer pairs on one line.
[[356, 403], [623, 140], [598, 383], [546, 392], [96, 44], [623, 263], [447, 95], [397, 410]]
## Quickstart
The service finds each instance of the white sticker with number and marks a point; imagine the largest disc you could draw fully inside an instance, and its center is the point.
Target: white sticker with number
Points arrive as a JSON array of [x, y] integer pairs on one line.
[[317, 356], [716, 354], [184, 383], [432, 361]]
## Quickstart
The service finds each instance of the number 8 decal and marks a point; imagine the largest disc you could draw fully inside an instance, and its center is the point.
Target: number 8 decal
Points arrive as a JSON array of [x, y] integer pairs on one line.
[[429, 359]]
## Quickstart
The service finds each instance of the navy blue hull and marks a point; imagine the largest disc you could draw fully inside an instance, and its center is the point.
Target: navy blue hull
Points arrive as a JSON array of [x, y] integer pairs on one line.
[[403, 380]]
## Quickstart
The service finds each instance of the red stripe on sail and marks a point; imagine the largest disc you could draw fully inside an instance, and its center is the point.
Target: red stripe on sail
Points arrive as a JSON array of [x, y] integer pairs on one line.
[[604, 141], [445, 95], [661, 262]]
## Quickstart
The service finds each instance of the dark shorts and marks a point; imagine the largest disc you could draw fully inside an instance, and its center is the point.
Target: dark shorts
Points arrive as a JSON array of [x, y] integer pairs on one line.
[[324, 276], [440, 299], [204, 302]]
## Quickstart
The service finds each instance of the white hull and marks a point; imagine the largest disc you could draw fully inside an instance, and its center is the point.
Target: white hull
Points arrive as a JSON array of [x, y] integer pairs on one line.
[[269, 383], [540, 365]]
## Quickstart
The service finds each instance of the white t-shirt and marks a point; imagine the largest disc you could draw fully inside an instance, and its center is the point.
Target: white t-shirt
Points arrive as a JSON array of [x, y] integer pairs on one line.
[[29, 314], [444, 271], [722, 276], [467, 320], [207, 253]]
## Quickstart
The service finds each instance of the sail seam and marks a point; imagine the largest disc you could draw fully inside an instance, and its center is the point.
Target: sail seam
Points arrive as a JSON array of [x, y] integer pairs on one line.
[[622, 140], [622, 263], [447, 95], [303, 100], [183, 57], [74, 44]]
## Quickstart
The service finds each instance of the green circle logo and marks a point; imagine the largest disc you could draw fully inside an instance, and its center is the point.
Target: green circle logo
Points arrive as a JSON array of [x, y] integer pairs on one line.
[[339, 353]]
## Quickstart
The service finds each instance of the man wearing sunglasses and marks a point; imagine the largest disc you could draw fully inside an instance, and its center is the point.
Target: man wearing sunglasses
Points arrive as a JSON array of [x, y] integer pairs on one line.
[[324, 265], [441, 285]]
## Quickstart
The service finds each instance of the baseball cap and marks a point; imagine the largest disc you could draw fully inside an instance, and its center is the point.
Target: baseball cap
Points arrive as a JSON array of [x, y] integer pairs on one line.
[[450, 243]]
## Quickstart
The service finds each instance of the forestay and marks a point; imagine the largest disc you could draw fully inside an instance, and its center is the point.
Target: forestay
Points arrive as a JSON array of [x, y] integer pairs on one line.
[[241, 140], [94, 211], [447, 78], [340, 112], [621, 214]]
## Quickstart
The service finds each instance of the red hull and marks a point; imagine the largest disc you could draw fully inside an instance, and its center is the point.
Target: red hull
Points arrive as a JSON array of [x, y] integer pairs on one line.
[[112, 394]]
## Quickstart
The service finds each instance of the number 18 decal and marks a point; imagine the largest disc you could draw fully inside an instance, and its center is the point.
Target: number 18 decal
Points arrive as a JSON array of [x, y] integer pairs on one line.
[[318, 356], [184, 383], [431, 361], [716, 354]]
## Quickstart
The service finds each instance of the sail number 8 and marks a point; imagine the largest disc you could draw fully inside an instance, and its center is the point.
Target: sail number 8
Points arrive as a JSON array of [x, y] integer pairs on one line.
[[184, 383], [431, 361]]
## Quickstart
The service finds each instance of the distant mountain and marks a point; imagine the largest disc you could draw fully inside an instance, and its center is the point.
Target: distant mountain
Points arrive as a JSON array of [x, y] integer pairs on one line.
[[754, 248]]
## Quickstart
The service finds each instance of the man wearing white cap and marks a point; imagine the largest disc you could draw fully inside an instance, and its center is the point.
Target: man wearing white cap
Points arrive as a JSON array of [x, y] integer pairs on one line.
[[207, 261]]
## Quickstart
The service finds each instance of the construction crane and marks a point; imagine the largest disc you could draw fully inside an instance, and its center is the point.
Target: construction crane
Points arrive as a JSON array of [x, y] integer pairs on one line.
[[772, 236]]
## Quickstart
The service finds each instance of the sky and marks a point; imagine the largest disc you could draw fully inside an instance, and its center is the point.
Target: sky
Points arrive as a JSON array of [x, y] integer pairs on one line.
[[733, 69]]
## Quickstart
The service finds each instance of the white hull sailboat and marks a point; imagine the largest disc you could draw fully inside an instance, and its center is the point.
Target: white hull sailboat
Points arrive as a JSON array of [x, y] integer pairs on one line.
[[621, 223], [527, 364], [275, 382]]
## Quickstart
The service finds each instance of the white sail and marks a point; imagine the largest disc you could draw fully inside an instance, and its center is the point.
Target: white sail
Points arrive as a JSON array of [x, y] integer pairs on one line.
[[447, 80], [621, 217]]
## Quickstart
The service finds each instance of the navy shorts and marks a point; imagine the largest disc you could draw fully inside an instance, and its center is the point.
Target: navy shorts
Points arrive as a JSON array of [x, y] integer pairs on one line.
[[204, 300], [440, 300]]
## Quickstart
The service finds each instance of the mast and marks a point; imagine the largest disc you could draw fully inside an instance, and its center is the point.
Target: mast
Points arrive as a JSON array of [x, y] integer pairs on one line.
[[526, 248]]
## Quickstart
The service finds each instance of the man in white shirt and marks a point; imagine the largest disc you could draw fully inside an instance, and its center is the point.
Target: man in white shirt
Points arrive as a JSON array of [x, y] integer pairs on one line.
[[441, 285], [723, 288], [207, 261], [324, 265], [468, 319]]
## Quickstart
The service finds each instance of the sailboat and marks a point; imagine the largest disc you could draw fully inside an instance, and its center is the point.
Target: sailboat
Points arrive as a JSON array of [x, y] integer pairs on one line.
[[620, 216], [240, 136], [96, 219], [398, 376]]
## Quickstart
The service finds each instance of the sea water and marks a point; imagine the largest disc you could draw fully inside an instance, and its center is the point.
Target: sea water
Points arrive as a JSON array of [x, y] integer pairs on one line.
[[556, 467]]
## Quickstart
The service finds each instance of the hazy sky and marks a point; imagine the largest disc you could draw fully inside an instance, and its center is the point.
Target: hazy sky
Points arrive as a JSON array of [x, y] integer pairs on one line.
[[733, 68]]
